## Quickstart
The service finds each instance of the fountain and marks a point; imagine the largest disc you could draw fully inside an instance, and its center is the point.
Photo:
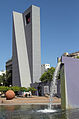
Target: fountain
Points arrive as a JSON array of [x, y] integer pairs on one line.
[[53, 84], [52, 89]]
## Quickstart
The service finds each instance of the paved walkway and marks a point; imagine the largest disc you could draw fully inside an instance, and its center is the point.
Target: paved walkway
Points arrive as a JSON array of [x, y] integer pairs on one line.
[[29, 100]]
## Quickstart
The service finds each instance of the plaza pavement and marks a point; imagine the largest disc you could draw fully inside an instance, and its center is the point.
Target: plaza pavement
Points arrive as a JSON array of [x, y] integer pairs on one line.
[[30, 100]]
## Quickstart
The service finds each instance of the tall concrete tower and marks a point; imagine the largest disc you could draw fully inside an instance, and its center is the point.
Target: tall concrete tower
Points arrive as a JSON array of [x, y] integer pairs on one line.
[[26, 47]]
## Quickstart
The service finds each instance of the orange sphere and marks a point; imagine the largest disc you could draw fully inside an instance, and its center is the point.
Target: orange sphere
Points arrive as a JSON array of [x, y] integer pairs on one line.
[[10, 94]]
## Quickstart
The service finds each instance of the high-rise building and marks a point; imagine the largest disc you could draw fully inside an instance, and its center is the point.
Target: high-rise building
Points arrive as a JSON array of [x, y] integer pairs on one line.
[[9, 65], [26, 59]]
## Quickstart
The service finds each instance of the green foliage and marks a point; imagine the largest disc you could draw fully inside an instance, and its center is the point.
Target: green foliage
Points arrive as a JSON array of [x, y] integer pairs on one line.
[[23, 89], [31, 89], [2, 79], [28, 89], [6, 79], [3, 88], [15, 88], [51, 70], [48, 76], [77, 57], [44, 77]]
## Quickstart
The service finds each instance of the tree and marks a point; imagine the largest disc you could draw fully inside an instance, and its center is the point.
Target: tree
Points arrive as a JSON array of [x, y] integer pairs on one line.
[[2, 79], [48, 76], [8, 78]]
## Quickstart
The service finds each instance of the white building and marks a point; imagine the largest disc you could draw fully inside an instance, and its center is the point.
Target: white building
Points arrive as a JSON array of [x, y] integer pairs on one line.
[[44, 68]]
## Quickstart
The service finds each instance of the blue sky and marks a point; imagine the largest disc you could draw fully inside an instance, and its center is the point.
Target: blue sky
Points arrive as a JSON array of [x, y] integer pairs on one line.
[[59, 27]]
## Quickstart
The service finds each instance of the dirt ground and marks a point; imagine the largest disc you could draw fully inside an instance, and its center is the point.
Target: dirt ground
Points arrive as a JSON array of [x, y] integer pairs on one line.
[[29, 100]]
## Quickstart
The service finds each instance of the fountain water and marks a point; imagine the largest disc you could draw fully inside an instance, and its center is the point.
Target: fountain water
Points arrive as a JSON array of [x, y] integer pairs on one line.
[[52, 88], [53, 84]]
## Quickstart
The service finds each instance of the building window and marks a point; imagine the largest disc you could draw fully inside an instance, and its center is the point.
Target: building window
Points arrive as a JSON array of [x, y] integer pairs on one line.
[[27, 17]]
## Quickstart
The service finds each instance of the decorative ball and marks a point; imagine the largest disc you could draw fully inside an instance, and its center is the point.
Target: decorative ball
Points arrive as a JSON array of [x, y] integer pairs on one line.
[[10, 94]]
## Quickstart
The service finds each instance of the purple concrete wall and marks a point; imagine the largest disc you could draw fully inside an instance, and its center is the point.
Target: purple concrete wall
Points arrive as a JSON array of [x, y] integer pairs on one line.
[[71, 69]]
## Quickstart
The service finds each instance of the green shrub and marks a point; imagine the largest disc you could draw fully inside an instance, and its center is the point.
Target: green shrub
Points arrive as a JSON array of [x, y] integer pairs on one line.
[[32, 89], [77, 57], [15, 88], [3, 88], [28, 89], [23, 89]]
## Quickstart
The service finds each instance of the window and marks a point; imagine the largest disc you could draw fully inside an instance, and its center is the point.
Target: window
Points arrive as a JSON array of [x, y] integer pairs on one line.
[[27, 17]]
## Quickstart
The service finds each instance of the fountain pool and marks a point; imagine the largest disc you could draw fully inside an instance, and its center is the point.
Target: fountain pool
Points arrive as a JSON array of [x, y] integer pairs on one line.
[[32, 112]]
